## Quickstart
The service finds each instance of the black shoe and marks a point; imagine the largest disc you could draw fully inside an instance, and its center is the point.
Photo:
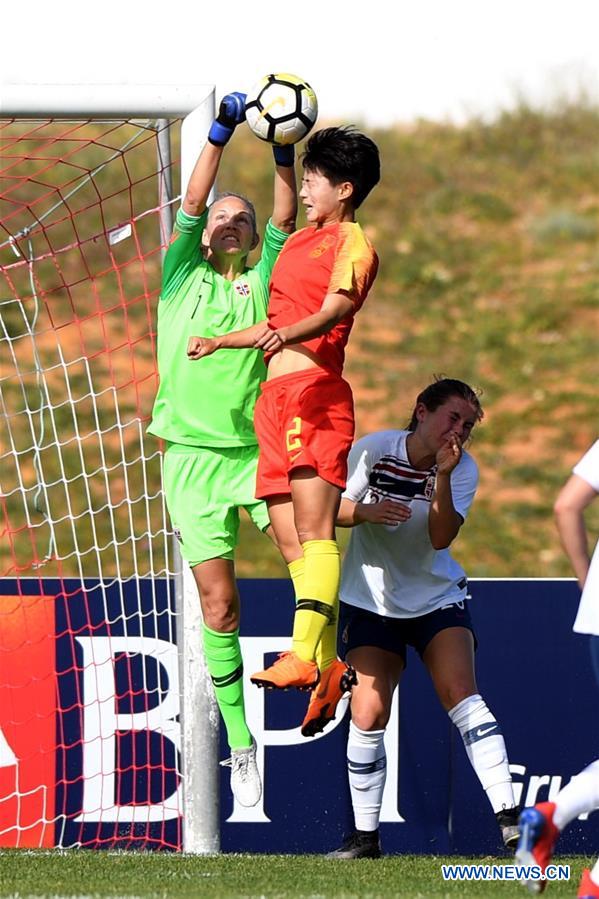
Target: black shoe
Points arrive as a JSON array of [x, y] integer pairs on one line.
[[507, 819], [359, 844]]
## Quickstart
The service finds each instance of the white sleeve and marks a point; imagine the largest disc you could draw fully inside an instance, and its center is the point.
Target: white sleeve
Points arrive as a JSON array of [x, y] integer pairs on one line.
[[588, 467], [359, 466], [464, 481]]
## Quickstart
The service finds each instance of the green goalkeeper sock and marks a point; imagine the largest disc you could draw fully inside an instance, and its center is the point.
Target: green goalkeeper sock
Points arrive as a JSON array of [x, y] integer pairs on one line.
[[223, 658]]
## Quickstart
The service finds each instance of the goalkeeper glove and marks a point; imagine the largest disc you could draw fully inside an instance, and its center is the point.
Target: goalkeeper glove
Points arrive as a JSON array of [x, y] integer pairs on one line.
[[284, 155], [231, 113]]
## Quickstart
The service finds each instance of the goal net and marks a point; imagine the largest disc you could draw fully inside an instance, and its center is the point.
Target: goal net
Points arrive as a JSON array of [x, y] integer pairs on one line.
[[79, 226], [90, 738]]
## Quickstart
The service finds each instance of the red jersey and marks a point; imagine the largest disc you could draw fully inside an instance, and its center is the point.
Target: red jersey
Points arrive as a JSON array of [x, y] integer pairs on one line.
[[313, 263]]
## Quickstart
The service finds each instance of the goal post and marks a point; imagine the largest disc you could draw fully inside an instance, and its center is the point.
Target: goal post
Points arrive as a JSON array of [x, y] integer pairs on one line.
[[80, 249]]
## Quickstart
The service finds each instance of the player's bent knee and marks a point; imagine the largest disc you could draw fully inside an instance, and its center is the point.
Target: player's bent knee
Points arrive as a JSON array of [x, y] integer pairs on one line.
[[371, 722], [290, 549], [220, 613], [370, 718], [452, 694], [321, 530], [221, 622]]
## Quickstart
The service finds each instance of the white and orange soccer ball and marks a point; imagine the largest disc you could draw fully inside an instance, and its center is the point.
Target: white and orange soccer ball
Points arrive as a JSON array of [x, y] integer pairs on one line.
[[281, 109]]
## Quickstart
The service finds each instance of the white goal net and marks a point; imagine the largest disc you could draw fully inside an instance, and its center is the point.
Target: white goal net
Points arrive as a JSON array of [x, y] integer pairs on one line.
[[90, 736]]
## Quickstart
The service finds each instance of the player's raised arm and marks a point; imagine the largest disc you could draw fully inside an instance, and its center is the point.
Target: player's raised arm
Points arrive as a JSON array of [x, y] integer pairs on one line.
[[231, 113], [284, 211]]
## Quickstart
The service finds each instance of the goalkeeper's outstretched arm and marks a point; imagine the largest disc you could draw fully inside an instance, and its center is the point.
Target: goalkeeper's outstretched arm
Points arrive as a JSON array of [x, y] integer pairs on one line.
[[231, 113], [202, 180]]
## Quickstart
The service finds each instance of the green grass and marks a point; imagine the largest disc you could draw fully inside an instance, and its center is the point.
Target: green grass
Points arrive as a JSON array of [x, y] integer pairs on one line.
[[159, 876]]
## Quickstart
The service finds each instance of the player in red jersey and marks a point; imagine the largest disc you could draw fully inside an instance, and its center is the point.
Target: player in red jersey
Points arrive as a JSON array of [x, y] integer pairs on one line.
[[304, 417]]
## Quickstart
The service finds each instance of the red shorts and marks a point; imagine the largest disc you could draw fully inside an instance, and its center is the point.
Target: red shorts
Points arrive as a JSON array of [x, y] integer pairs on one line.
[[303, 419]]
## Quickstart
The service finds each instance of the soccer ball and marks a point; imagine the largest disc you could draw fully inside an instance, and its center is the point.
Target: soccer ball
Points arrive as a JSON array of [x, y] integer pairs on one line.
[[281, 109]]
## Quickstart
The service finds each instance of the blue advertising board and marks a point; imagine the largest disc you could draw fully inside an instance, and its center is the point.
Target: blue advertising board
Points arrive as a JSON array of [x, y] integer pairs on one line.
[[113, 710], [532, 670], [89, 714]]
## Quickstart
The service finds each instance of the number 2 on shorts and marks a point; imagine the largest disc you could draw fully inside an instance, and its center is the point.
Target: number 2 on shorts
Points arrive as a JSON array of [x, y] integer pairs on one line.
[[293, 435]]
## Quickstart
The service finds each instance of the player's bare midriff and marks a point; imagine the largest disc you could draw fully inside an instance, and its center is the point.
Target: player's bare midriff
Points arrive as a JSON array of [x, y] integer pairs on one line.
[[291, 359]]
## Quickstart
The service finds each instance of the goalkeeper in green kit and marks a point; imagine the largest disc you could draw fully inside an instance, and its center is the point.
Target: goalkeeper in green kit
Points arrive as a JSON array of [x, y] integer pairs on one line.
[[205, 412]]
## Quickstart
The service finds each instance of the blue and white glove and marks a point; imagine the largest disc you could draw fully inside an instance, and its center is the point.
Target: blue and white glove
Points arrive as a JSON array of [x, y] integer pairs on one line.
[[284, 155], [231, 113]]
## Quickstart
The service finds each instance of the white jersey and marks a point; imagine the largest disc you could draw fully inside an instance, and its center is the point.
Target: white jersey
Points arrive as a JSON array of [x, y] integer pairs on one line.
[[587, 619], [394, 570]]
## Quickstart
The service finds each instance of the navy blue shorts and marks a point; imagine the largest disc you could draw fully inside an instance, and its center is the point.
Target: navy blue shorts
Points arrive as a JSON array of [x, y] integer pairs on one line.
[[594, 646], [357, 627]]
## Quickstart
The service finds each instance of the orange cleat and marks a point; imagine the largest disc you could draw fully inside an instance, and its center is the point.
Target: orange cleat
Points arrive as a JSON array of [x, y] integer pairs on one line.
[[288, 671], [588, 889], [335, 681], [538, 836]]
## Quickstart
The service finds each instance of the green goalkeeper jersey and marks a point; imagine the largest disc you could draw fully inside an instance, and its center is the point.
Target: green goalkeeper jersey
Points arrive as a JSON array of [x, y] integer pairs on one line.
[[209, 401]]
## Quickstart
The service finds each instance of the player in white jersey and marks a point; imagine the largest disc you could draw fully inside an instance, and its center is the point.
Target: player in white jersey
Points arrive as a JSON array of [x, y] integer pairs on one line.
[[542, 825], [408, 493]]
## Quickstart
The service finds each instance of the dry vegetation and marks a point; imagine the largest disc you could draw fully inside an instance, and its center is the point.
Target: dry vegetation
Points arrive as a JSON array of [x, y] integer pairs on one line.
[[488, 237]]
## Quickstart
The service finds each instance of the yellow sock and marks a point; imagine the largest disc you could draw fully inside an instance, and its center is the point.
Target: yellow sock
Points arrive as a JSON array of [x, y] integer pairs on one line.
[[296, 572], [317, 605], [326, 651]]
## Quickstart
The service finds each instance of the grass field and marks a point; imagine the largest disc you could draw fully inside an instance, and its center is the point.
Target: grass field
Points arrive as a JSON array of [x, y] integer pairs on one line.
[[104, 874]]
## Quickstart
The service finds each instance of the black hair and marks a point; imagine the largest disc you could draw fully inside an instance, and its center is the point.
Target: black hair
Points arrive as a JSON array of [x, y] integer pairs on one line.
[[344, 154], [248, 203], [441, 390]]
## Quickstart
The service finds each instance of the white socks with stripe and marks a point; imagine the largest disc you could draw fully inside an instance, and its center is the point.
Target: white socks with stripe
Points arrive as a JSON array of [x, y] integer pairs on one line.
[[485, 747], [367, 770]]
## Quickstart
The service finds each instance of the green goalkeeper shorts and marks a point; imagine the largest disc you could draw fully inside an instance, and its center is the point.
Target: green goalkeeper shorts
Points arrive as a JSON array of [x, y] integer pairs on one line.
[[205, 487]]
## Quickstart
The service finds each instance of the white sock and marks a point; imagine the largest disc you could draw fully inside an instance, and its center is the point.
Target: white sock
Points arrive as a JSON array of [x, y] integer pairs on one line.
[[367, 770], [578, 796], [485, 747]]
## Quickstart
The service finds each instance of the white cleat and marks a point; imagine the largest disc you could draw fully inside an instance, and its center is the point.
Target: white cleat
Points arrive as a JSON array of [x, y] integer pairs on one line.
[[246, 785]]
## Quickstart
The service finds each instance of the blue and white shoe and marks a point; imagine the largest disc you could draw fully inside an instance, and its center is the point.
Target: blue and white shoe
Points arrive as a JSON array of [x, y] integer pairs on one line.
[[538, 836]]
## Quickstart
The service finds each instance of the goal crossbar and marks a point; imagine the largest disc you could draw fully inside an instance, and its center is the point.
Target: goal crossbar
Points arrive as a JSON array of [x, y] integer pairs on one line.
[[92, 101]]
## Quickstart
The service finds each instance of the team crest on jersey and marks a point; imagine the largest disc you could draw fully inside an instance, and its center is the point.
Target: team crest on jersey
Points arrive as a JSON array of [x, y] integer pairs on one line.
[[323, 246], [242, 288]]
